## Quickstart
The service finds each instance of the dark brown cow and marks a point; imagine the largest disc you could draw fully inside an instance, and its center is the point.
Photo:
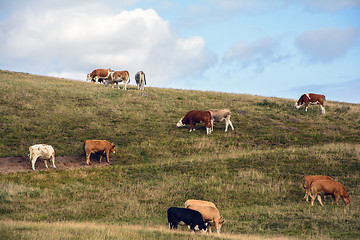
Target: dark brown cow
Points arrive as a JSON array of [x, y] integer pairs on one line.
[[98, 75], [196, 116], [100, 146], [307, 180], [328, 187], [311, 98], [117, 77]]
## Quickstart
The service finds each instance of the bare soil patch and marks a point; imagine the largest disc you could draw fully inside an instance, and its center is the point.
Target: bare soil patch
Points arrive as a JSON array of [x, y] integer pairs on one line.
[[22, 163]]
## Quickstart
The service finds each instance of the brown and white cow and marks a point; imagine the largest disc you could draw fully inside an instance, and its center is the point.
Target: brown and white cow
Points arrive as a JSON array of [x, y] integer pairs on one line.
[[311, 98], [307, 180], [210, 215], [98, 146], [140, 80], [196, 116], [98, 75], [118, 77], [328, 187], [43, 151], [217, 115]]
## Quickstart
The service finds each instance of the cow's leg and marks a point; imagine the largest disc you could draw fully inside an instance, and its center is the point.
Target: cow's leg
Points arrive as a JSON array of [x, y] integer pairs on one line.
[[307, 192], [53, 160], [337, 195], [313, 198], [232, 127], [88, 158], [319, 199], [191, 125], [226, 124], [107, 157], [306, 106], [33, 161], [101, 156], [124, 85], [45, 161], [322, 109], [212, 125]]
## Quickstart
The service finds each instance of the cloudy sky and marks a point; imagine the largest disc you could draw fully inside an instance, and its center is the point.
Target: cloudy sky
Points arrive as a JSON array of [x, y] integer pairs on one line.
[[268, 48]]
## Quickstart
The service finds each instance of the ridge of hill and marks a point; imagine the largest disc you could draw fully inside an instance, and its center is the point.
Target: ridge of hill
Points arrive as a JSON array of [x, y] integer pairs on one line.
[[253, 173]]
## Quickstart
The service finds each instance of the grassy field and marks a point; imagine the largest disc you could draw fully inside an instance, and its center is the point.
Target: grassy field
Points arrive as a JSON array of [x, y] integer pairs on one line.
[[253, 174]]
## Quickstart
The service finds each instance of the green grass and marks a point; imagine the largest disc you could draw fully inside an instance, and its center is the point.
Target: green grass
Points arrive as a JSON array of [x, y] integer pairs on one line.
[[253, 174]]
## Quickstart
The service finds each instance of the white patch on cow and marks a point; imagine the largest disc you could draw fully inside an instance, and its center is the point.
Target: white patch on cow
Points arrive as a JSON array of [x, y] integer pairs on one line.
[[308, 96], [180, 124], [322, 109], [197, 228]]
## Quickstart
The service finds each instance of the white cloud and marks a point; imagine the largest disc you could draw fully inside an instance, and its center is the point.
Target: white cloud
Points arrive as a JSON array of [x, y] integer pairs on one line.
[[327, 44], [73, 41]]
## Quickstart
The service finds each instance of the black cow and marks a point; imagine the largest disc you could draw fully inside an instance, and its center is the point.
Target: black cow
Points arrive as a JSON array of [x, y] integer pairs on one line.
[[190, 217]]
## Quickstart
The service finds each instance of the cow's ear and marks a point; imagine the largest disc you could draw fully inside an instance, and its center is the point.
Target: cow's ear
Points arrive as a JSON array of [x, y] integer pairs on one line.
[[222, 220]]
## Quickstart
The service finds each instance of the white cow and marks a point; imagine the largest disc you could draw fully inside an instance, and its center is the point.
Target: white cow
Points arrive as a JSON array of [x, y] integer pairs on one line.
[[43, 151], [140, 80], [217, 115]]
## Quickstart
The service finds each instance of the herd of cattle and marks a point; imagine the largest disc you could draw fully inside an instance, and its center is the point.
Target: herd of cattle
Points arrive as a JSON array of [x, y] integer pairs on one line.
[[197, 214]]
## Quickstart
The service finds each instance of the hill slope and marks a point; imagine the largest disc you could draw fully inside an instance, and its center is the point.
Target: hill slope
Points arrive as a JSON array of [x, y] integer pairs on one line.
[[253, 174]]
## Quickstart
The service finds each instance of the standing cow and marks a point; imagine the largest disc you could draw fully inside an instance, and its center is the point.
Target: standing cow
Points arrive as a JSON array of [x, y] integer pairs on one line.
[[217, 115], [98, 75], [42, 151], [100, 146], [190, 217], [328, 187], [210, 215], [307, 180], [118, 77], [311, 98], [140, 80], [196, 116]]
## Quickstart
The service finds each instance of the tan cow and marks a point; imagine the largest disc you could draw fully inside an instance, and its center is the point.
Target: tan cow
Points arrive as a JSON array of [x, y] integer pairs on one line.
[[98, 75], [328, 187], [217, 115], [307, 180], [42, 151], [199, 202], [210, 215], [118, 77], [100, 146]]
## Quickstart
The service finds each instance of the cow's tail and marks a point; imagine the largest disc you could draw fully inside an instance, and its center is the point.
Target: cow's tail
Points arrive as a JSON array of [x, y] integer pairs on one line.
[[128, 80], [144, 79], [303, 183]]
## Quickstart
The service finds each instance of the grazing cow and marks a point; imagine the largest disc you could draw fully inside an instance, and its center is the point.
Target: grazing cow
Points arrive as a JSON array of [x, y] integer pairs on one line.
[[198, 202], [190, 217], [98, 75], [328, 187], [307, 180], [209, 214], [101, 146], [43, 151], [217, 115], [195, 116], [140, 80], [311, 98], [118, 77]]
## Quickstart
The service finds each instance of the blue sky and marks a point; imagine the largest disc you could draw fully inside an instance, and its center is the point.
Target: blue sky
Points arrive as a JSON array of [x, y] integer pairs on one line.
[[267, 48]]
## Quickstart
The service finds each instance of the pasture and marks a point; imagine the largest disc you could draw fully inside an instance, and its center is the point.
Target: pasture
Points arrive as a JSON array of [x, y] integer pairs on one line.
[[253, 174]]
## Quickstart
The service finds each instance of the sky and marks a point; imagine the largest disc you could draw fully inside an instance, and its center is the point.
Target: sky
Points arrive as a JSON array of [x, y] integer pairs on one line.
[[274, 48]]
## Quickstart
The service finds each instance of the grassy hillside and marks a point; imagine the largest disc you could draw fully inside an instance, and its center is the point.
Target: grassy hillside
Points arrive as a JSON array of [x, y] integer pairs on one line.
[[253, 174]]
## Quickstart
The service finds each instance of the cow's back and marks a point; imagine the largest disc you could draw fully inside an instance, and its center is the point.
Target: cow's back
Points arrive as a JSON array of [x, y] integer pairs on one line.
[[310, 178], [42, 150], [199, 202], [95, 145], [328, 186]]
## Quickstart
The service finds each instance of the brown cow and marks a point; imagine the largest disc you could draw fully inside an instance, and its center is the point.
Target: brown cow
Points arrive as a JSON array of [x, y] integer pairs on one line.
[[117, 77], [307, 180], [198, 202], [311, 98], [101, 146], [98, 75], [196, 116], [328, 187], [210, 215]]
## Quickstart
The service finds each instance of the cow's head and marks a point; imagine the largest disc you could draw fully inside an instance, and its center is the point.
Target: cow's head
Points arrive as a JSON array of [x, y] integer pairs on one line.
[[221, 221], [180, 123], [297, 105], [112, 149], [346, 199], [88, 78]]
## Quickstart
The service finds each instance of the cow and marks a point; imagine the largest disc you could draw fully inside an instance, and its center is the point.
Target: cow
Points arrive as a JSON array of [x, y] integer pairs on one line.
[[118, 77], [196, 116], [209, 214], [328, 187], [198, 202], [190, 217], [140, 80], [98, 75], [307, 180], [217, 115], [100, 146], [43, 151], [311, 98]]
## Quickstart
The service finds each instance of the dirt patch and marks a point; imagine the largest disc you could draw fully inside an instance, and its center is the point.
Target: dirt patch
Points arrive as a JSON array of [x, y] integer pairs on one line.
[[22, 163]]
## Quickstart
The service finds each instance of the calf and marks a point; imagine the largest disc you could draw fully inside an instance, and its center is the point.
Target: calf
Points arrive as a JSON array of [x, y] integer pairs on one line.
[[118, 77], [98, 75], [140, 80], [307, 180], [217, 115], [198, 202], [101, 146], [209, 214], [190, 217], [328, 187], [44, 152], [196, 116], [311, 98]]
